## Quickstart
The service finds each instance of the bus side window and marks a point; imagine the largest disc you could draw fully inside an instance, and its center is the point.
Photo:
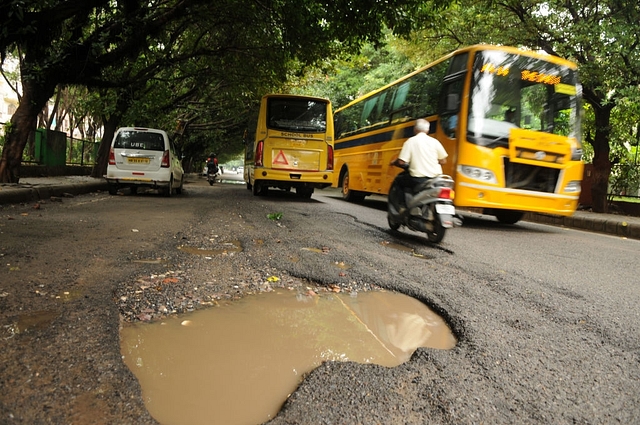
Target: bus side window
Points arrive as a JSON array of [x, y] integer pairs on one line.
[[450, 107]]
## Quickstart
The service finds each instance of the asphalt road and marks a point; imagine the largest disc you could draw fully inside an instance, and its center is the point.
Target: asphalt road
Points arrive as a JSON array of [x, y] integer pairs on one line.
[[546, 318]]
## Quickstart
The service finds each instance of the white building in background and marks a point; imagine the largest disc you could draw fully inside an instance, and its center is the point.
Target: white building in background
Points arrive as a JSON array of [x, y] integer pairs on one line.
[[9, 99], [8, 96]]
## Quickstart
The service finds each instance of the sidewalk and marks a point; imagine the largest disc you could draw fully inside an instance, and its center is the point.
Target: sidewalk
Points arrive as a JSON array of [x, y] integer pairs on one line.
[[32, 189]]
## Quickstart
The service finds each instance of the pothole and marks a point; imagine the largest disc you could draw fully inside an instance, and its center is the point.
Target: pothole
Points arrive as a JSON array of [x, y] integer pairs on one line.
[[28, 322], [237, 363], [221, 249]]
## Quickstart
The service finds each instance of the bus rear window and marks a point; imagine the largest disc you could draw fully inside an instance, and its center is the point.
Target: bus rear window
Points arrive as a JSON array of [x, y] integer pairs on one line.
[[298, 115]]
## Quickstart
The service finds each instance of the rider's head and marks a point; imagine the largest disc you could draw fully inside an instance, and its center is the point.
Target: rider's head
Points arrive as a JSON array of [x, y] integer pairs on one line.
[[422, 126]]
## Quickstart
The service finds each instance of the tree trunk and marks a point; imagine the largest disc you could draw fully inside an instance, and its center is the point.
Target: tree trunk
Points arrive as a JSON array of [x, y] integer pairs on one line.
[[601, 161], [110, 125], [23, 122]]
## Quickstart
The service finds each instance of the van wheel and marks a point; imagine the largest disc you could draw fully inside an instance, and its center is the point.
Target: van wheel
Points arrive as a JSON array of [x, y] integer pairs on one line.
[[179, 188], [113, 189], [167, 191], [347, 193]]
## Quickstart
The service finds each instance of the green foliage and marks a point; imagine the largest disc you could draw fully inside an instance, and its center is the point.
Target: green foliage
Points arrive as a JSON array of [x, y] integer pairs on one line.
[[343, 80], [274, 216]]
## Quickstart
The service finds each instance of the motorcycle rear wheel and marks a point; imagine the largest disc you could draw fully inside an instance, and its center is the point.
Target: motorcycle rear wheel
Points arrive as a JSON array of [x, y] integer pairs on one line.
[[437, 234], [394, 225]]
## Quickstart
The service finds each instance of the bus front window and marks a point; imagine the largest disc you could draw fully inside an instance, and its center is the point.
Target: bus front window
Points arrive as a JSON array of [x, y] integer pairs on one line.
[[514, 91]]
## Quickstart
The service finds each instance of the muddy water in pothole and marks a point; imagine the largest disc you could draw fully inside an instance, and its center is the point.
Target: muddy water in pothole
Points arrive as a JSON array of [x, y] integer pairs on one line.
[[237, 363]]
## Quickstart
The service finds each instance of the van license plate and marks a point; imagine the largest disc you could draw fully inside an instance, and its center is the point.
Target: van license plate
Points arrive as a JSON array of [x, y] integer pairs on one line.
[[445, 209], [137, 160]]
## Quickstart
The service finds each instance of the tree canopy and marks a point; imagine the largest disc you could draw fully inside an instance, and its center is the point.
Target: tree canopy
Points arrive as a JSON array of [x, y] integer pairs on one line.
[[239, 48], [601, 37]]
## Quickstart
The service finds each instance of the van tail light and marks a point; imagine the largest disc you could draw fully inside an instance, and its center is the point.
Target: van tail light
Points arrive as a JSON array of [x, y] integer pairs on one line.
[[259, 154], [445, 193], [329, 157], [112, 157], [165, 160]]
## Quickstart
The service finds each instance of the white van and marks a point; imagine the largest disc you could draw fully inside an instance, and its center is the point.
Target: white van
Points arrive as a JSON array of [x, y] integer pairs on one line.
[[144, 157]]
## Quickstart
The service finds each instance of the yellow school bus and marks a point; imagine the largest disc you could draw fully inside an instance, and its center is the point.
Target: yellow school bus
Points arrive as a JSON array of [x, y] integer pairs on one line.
[[508, 118], [292, 147]]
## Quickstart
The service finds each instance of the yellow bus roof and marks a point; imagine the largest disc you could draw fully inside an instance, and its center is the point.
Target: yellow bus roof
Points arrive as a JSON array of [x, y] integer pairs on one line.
[[476, 47], [300, 96]]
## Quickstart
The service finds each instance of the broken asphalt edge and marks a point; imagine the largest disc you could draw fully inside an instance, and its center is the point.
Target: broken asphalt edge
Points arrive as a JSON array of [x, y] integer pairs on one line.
[[45, 192], [593, 223]]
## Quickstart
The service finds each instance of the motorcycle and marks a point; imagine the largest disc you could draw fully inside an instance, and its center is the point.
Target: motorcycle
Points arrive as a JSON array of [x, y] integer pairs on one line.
[[429, 207], [212, 173]]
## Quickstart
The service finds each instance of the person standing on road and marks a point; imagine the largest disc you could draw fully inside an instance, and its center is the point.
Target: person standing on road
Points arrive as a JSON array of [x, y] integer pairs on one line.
[[421, 157]]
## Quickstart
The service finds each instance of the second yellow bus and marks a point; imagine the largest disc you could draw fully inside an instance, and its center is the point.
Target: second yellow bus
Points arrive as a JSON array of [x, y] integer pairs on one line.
[[292, 147]]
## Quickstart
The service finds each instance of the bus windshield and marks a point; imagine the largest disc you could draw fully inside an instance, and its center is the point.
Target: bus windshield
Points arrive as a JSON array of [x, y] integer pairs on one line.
[[287, 114], [516, 91]]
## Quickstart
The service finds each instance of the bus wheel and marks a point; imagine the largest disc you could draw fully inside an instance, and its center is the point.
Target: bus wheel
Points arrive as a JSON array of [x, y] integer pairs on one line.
[[304, 192], [258, 189], [508, 216], [347, 193]]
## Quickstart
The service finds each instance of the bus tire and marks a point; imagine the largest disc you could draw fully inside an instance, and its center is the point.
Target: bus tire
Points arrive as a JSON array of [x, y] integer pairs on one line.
[[304, 192], [508, 216], [258, 189], [348, 194]]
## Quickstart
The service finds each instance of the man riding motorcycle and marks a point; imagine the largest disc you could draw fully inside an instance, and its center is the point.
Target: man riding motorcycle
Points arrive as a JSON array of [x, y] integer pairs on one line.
[[421, 157]]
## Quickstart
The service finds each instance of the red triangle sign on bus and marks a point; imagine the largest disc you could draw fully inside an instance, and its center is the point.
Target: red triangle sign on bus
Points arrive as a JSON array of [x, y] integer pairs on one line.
[[280, 159]]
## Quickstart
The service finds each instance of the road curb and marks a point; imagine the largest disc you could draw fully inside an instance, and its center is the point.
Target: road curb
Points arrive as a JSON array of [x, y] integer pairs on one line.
[[617, 227], [36, 193]]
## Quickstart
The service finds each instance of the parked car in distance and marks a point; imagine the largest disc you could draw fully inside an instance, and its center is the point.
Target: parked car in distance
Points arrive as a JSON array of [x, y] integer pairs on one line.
[[144, 157]]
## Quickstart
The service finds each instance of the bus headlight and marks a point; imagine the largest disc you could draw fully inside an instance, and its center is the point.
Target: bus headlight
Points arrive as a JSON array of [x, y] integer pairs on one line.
[[478, 173], [573, 186]]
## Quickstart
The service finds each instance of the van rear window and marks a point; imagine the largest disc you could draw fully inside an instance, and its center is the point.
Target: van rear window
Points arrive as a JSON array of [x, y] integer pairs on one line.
[[139, 140]]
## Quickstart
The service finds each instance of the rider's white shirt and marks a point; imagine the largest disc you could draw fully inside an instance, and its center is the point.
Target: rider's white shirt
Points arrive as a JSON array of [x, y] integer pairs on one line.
[[422, 153]]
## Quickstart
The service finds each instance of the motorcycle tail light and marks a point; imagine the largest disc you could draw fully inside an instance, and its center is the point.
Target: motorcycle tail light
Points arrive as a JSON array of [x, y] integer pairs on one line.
[[445, 193]]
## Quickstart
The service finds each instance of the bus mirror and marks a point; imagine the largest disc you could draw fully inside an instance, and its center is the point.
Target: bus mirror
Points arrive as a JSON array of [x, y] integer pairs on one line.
[[452, 102]]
